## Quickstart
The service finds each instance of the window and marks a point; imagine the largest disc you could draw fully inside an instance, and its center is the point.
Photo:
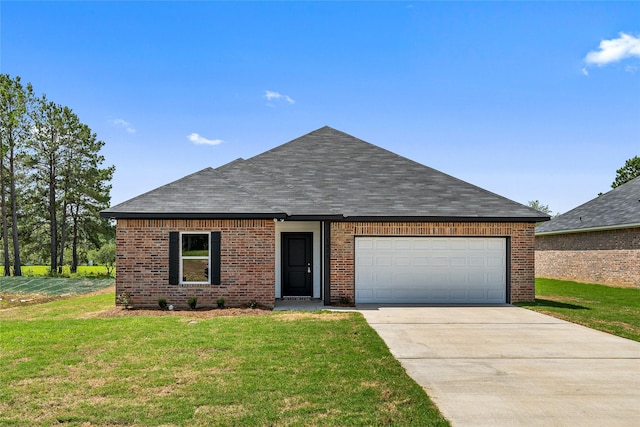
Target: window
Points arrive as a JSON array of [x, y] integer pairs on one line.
[[194, 258]]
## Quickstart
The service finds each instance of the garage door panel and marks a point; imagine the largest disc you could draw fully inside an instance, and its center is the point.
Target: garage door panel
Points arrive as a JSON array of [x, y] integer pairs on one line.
[[457, 244], [402, 244], [385, 276], [384, 261], [458, 261], [364, 244], [365, 261], [494, 261], [402, 260], [430, 270], [440, 261], [477, 244], [498, 244], [383, 244], [420, 260]]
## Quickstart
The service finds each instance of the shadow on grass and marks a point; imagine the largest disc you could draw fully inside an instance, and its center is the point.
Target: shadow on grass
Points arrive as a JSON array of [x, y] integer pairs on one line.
[[552, 304]]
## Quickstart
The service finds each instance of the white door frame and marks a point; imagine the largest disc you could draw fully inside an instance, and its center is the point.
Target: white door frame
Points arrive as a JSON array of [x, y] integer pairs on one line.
[[299, 227]]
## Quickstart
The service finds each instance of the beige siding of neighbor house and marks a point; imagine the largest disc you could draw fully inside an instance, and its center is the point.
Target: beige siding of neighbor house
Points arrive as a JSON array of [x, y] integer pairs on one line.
[[522, 249], [610, 257]]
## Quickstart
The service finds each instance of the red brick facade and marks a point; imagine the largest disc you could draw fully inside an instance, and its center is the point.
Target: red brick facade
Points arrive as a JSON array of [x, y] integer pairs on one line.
[[248, 257], [610, 257], [343, 249], [247, 262]]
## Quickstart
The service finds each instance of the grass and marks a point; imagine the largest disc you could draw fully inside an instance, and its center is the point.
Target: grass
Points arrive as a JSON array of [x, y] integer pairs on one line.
[[605, 308], [66, 362]]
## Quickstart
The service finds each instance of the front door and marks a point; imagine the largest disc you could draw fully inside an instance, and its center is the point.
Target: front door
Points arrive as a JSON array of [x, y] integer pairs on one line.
[[297, 263]]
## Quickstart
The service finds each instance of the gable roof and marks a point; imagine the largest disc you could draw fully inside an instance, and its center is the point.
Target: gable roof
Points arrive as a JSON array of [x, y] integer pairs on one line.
[[326, 174], [619, 208]]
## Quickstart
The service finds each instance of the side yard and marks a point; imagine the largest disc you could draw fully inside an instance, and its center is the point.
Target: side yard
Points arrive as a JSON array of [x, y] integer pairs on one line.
[[74, 361], [18, 291], [606, 308]]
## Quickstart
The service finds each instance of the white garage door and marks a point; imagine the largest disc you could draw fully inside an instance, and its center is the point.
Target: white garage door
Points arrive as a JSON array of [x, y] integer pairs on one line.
[[430, 270]]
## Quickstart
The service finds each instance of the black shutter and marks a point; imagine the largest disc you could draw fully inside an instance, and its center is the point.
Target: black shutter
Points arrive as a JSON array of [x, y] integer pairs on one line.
[[214, 268], [174, 258]]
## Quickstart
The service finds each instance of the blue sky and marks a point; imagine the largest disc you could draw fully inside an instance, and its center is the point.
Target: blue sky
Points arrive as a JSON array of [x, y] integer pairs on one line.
[[528, 100]]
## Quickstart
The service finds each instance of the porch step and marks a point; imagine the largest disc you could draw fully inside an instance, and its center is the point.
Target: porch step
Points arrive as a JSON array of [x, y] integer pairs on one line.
[[296, 298]]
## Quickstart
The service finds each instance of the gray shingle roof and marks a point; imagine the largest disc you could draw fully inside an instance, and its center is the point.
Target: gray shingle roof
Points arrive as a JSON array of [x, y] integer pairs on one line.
[[619, 208], [325, 174]]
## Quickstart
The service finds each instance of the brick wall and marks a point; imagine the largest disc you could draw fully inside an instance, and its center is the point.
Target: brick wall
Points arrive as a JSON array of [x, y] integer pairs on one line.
[[248, 257], [247, 262], [609, 257], [343, 249]]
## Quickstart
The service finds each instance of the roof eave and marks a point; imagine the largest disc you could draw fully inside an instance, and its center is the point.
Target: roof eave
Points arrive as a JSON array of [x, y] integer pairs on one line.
[[588, 229], [369, 218], [313, 217], [191, 215]]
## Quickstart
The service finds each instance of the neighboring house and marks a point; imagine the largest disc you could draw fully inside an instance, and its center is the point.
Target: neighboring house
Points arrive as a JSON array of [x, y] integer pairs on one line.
[[324, 216], [597, 242]]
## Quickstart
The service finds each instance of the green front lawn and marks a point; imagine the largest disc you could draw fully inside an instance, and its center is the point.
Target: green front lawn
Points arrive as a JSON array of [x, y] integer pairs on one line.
[[606, 308], [68, 362]]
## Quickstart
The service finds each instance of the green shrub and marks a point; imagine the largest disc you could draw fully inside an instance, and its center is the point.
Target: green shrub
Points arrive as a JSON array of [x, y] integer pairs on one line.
[[220, 302], [124, 299], [162, 302], [192, 302]]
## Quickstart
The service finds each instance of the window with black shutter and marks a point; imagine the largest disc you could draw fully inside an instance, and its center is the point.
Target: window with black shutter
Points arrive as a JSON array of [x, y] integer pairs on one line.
[[194, 258]]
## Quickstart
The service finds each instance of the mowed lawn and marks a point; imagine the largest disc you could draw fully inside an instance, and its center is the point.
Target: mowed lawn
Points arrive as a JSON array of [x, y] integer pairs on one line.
[[73, 362], [606, 308]]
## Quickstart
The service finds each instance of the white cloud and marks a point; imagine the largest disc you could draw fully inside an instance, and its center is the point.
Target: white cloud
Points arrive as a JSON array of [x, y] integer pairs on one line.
[[614, 50], [277, 96], [201, 140], [124, 124]]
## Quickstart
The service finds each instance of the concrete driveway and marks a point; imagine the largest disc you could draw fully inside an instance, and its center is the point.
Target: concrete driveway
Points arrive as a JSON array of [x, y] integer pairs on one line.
[[508, 366]]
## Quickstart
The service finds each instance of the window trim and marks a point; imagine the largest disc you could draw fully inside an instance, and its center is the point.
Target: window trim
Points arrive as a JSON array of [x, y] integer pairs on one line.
[[175, 258], [182, 258]]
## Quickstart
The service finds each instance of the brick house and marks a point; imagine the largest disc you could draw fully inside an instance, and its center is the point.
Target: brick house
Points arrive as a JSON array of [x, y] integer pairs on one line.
[[597, 242], [325, 216]]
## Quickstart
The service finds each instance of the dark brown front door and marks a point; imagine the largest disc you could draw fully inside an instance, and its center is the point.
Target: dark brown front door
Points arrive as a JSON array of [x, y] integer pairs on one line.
[[297, 263]]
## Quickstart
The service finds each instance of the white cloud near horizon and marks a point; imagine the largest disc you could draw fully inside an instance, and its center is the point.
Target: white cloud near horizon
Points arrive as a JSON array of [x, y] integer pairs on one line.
[[277, 96], [201, 140], [614, 50], [124, 124]]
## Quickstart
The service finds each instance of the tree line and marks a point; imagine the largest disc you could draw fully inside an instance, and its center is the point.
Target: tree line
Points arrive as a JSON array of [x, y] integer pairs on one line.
[[53, 183]]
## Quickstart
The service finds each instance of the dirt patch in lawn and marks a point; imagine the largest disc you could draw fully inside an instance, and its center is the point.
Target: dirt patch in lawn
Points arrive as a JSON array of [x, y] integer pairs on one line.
[[306, 315], [19, 300], [561, 298], [191, 314], [13, 300]]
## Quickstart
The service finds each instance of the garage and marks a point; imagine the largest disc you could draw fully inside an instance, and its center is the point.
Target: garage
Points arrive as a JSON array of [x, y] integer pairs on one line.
[[439, 270]]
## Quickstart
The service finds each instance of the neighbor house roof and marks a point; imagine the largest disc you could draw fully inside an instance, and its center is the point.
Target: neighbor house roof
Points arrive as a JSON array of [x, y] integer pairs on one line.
[[619, 208], [326, 174]]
